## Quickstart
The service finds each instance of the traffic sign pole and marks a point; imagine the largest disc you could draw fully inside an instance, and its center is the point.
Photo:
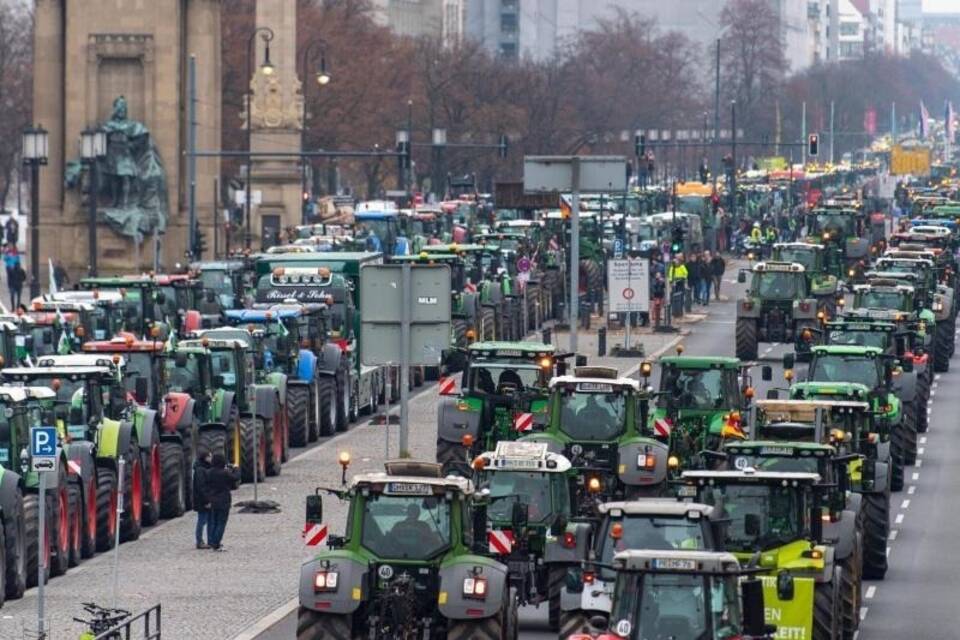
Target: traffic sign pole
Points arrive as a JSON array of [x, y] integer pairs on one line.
[[405, 317], [41, 555], [116, 541], [626, 333]]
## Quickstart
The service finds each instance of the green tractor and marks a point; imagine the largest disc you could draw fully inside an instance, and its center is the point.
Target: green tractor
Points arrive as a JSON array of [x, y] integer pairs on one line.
[[822, 285], [660, 524], [503, 395], [843, 232], [775, 525], [896, 417], [142, 303], [596, 419], [682, 594], [699, 405], [778, 307], [529, 520], [412, 563]]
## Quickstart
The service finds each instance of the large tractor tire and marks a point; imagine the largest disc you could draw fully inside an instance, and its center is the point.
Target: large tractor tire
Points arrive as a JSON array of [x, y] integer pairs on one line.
[[76, 525], [327, 389], [253, 449], [313, 625], [827, 609], [88, 519], [746, 339], [910, 418], [942, 340], [59, 498], [897, 438], [274, 435], [15, 550], [152, 480], [215, 441], [532, 295], [173, 499], [132, 522], [876, 529], [453, 459], [298, 413], [556, 578], [344, 409], [591, 280], [488, 324], [491, 628], [31, 516], [574, 623], [106, 508], [923, 397], [851, 588]]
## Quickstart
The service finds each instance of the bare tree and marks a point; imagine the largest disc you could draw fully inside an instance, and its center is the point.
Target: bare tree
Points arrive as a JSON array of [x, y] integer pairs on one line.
[[16, 88]]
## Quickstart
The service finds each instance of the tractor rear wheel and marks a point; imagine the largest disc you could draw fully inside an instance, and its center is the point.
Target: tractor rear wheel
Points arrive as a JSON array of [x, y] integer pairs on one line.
[[453, 458], [491, 628], [152, 479], [173, 499], [488, 321], [106, 508], [273, 434], [313, 625], [876, 511], [574, 623], [59, 499], [556, 577], [31, 516], [252, 449], [132, 522], [942, 337], [923, 396], [76, 524], [910, 417], [327, 420], [214, 441], [827, 622], [746, 339], [897, 444], [88, 519], [298, 412], [851, 588], [344, 410], [15, 552]]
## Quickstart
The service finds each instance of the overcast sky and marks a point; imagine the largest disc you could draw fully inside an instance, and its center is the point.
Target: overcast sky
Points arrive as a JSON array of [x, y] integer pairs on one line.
[[941, 6]]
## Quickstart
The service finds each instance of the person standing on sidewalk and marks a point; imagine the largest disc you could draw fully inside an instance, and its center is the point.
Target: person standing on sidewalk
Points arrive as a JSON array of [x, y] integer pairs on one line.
[[222, 479], [201, 502], [695, 275], [677, 277], [716, 268]]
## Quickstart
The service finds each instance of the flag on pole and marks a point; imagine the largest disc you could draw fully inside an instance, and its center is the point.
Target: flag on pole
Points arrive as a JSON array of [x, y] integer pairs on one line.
[[948, 122], [53, 280], [924, 120]]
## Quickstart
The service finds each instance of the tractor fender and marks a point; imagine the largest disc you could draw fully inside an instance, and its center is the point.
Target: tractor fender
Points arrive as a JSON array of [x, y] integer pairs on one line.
[[352, 578], [113, 439], [306, 365], [279, 380], [906, 388], [177, 413], [80, 455], [266, 400], [144, 420], [748, 308], [854, 502], [830, 558], [224, 407], [811, 309], [453, 424], [456, 571], [556, 552], [629, 473], [857, 248], [471, 304], [843, 533], [882, 478], [329, 361]]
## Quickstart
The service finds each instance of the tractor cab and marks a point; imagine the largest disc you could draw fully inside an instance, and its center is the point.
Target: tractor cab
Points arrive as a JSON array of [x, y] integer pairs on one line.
[[379, 229], [141, 377], [141, 305], [107, 317]]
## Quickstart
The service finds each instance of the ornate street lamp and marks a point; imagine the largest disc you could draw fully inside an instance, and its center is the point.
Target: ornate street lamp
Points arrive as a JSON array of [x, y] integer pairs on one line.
[[35, 151]]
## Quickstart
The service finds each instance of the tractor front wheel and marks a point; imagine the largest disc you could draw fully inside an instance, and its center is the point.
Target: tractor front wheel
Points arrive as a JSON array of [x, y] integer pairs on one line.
[[746, 339], [298, 413], [555, 580], [575, 622], [31, 514], [327, 390], [827, 623], [942, 342], [132, 523], [253, 449], [173, 498], [106, 508], [15, 552], [491, 628], [852, 567], [910, 418], [876, 529]]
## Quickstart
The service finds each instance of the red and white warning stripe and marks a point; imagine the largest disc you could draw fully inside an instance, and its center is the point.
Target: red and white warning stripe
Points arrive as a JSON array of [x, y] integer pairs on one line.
[[314, 534], [470, 287], [523, 422], [74, 467], [447, 386], [500, 542], [662, 427]]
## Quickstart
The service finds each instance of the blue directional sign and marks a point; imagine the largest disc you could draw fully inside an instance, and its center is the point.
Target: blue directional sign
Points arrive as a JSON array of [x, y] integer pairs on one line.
[[43, 448], [618, 248]]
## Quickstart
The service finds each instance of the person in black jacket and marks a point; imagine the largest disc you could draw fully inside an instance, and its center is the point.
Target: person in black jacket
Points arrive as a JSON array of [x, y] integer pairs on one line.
[[200, 502], [221, 480]]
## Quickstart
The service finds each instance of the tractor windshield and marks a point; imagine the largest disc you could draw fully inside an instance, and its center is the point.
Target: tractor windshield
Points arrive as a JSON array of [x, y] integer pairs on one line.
[[408, 527], [881, 299], [839, 368], [807, 258], [225, 366], [220, 282], [592, 416], [777, 285], [762, 516], [838, 225], [503, 378], [183, 376], [531, 489], [777, 463], [45, 340], [6, 436], [139, 365], [859, 338], [676, 605], [661, 533], [705, 389]]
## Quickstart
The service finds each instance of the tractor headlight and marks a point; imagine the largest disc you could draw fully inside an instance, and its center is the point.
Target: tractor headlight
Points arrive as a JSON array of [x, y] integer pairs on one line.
[[326, 581], [475, 588]]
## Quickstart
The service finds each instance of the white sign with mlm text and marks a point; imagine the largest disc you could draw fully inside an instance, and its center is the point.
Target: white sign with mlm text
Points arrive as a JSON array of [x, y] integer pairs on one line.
[[628, 282]]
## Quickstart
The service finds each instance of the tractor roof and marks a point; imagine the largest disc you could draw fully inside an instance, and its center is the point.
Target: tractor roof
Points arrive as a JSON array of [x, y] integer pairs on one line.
[[89, 296], [404, 481], [845, 350], [695, 562], [524, 456], [701, 362], [855, 321], [500, 349], [14, 394], [212, 344], [123, 343], [595, 385], [82, 360], [848, 389], [747, 475], [779, 448], [804, 410], [39, 393], [799, 246], [263, 315], [657, 507], [770, 265], [115, 282], [453, 248], [76, 373], [62, 305]]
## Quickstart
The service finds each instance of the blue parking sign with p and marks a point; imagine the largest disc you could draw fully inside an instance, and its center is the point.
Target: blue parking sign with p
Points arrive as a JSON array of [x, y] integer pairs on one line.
[[43, 442]]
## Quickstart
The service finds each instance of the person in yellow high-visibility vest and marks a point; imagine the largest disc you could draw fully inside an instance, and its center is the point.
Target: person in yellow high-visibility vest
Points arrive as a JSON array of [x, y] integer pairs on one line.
[[677, 276]]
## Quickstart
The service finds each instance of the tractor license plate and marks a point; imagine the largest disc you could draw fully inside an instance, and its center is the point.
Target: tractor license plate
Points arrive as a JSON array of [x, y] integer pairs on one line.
[[675, 564], [408, 488]]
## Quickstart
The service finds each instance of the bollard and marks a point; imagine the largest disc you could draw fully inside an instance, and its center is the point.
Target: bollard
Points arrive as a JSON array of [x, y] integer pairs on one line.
[[586, 312], [546, 335], [602, 341]]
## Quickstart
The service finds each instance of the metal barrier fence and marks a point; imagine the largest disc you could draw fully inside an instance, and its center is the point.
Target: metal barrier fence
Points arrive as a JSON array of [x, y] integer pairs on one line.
[[123, 630]]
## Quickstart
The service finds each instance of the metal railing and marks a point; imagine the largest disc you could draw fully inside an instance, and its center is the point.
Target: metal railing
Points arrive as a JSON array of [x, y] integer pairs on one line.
[[124, 630]]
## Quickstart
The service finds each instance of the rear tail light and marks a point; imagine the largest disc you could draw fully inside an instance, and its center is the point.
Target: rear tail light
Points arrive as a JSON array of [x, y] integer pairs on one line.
[[589, 577], [646, 461], [475, 588], [747, 305], [804, 306], [326, 581], [569, 540]]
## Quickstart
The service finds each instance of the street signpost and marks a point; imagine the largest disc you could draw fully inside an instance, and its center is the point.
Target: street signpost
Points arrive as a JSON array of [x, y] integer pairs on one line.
[[573, 174], [406, 321], [43, 459], [628, 285]]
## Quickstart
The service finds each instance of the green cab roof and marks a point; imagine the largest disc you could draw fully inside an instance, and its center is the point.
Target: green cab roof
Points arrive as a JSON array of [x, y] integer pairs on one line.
[[846, 350], [780, 448], [530, 348], [701, 362]]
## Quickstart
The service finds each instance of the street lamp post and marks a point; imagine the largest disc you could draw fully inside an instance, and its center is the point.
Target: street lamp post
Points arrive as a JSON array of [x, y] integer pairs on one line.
[[439, 172], [267, 69], [323, 78], [93, 148], [733, 156], [35, 152]]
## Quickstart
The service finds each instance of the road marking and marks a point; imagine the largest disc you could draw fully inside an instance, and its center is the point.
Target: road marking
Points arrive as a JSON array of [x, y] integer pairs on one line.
[[863, 613], [267, 621], [933, 392], [935, 385], [899, 519], [916, 476], [918, 464], [936, 376], [923, 439], [920, 451], [905, 504], [888, 552], [871, 591], [893, 534], [912, 489]]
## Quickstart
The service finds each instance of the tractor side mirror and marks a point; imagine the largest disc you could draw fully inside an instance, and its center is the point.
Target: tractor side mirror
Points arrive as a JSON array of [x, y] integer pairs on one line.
[[160, 298], [76, 416], [559, 525], [741, 277], [315, 509], [580, 361], [180, 359], [751, 598], [907, 365], [218, 381], [574, 580], [773, 394], [519, 516], [141, 390], [751, 524], [789, 360], [766, 373]]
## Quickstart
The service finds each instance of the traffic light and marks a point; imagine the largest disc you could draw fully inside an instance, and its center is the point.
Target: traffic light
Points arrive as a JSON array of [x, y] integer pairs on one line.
[[403, 148], [639, 145], [676, 239], [201, 244], [813, 145], [503, 146]]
